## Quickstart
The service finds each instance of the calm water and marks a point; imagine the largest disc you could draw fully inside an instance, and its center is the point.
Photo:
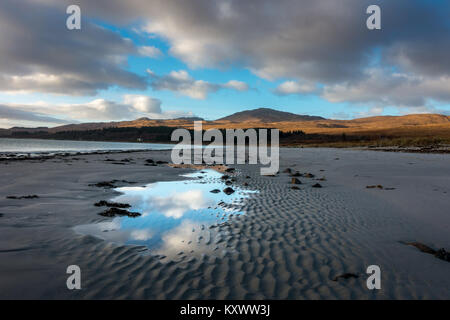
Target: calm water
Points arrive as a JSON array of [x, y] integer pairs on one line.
[[52, 146], [176, 215]]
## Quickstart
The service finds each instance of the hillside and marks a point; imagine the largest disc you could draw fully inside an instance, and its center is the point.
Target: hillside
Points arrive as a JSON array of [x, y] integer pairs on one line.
[[266, 115], [423, 128]]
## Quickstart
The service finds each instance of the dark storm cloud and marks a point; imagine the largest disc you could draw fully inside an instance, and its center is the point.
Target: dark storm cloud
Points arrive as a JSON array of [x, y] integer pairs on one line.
[[39, 54]]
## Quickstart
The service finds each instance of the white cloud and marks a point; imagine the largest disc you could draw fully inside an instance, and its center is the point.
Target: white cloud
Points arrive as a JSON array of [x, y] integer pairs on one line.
[[143, 103], [236, 85], [182, 83], [150, 51], [384, 88], [294, 87], [132, 107]]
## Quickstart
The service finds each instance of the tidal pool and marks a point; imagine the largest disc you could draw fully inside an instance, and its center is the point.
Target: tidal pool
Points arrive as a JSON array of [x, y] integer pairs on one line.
[[176, 216]]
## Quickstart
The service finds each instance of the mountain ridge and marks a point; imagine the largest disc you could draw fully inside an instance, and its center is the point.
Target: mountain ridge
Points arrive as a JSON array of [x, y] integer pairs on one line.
[[267, 115]]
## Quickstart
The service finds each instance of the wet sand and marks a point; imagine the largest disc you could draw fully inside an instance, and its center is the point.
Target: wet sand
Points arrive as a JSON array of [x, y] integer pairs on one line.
[[289, 244]]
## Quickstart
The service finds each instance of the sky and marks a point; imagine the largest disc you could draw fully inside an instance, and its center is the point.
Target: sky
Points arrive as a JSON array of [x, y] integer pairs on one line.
[[166, 59]]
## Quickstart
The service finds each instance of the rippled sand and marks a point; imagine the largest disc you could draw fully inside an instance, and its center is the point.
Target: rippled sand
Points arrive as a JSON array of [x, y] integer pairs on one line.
[[289, 244]]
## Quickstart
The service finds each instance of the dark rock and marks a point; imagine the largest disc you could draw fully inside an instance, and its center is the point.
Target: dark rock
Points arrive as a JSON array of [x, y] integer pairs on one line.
[[443, 255], [317, 185], [225, 177], [248, 177], [245, 184], [23, 197], [309, 175], [228, 191], [112, 212], [161, 162], [295, 188], [295, 181], [103, 184], [149, 161], [215, 191], [379, 186], [422, 247], [228, 183], [230, 170], [104, 203], [288, 170], [440, 254], [346, 276], [296, 174]]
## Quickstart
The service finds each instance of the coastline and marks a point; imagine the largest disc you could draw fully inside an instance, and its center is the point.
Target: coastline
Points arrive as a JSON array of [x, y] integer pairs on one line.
[[290, 244]]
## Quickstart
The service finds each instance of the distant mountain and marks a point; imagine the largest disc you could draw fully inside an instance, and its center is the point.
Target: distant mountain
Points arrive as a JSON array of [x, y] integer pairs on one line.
[[267, 115], [190, 118]]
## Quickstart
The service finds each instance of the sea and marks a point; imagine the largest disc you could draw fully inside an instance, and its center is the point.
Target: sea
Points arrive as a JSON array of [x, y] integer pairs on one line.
[[33, 147]]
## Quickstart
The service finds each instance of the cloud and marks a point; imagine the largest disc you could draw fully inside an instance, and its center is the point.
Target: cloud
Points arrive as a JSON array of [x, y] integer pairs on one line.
[[150, 51], [132, 107], [182, 83], [11, 113], [385, 88], [294, 87], [236, 85], [39, 54], [323, 41], [143, 103]]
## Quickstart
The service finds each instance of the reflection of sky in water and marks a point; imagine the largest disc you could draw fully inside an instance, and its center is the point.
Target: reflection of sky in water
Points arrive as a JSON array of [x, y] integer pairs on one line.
[[176, 215]]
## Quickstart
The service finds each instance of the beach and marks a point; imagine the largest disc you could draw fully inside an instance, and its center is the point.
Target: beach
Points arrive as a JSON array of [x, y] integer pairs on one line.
[[288, 243]]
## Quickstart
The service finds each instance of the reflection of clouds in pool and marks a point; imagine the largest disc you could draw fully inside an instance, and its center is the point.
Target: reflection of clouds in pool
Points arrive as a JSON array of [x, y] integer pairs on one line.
[[142, 235], [177, 204], [176, 215]]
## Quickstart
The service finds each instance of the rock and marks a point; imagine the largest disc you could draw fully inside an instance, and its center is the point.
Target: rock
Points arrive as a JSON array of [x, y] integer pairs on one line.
[[287, 170], [379, 186], [230, 170], [443, 255], [317, 185], [228, 191], [23, 197], [295, 188], [440, 254], [103, 184], [346, 276], [309, 175], [228, 183], [295, 181], [225, 177], [215, 191], [422, 247], [296, 174], [112, 212], [247, 177], [104, 203], [245, 184], [149, 161], [161, 162]]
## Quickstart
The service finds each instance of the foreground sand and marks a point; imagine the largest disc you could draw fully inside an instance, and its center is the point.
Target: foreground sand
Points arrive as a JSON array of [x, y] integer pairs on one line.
[[289, 244]]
